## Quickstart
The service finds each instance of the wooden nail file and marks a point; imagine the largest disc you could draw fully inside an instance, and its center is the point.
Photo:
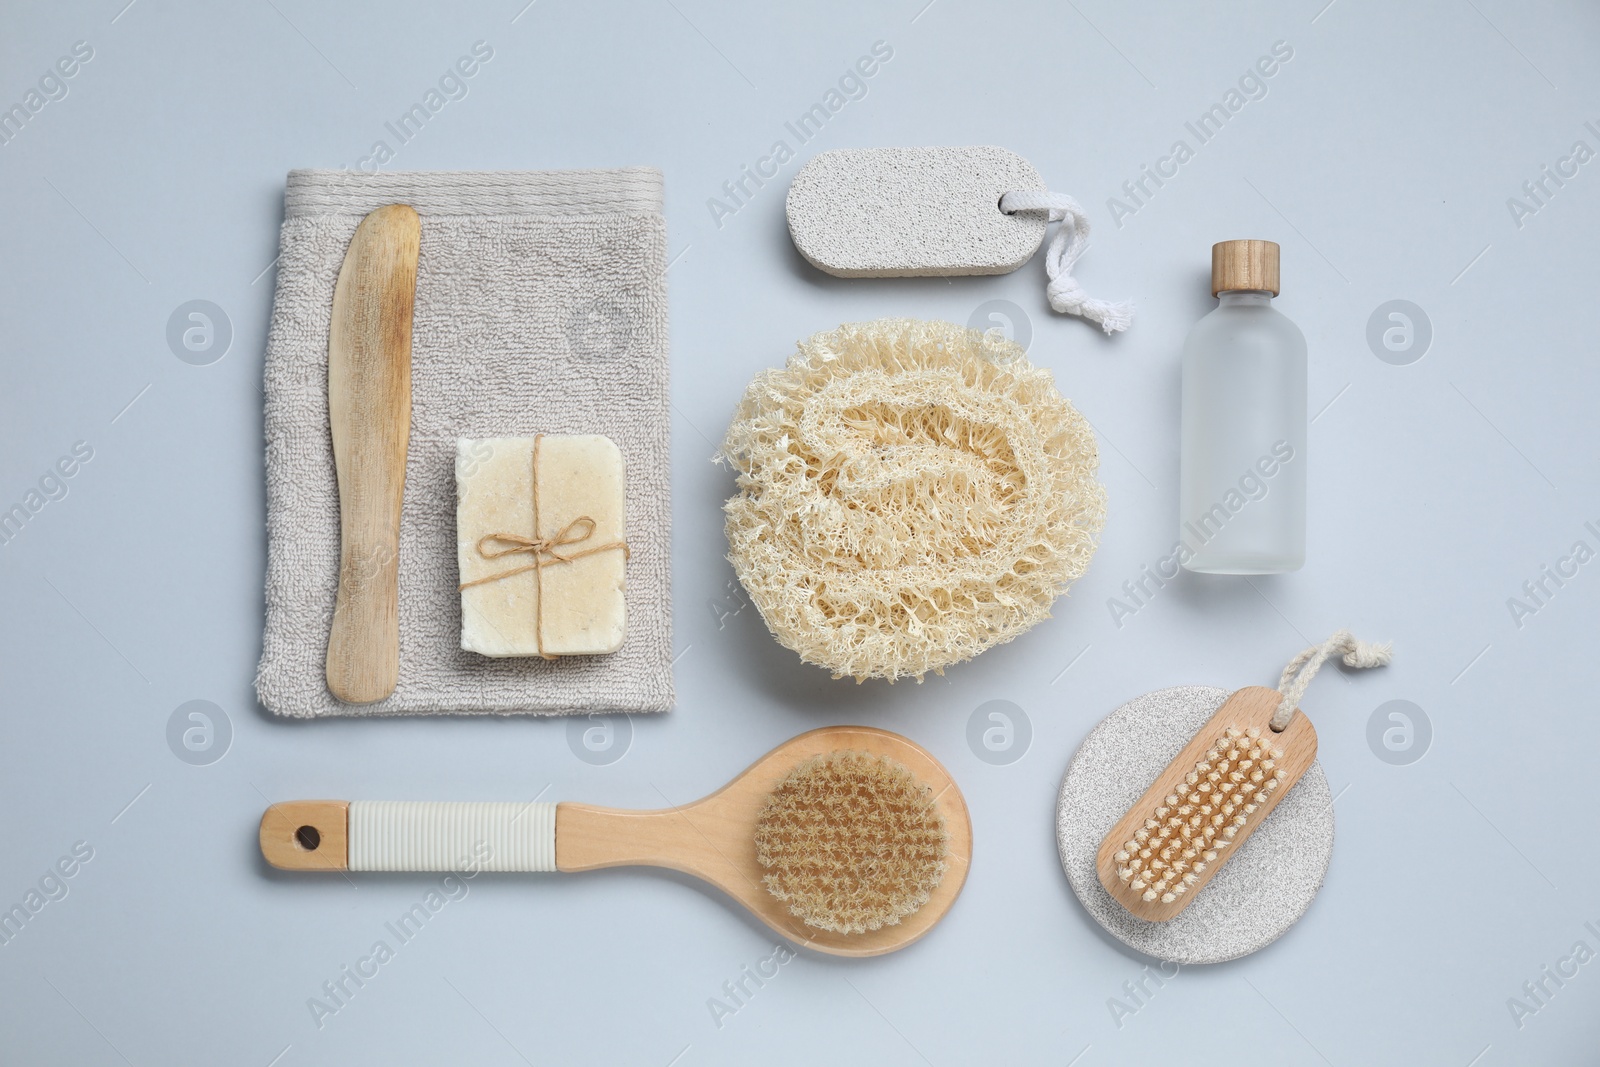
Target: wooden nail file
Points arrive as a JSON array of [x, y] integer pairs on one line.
[[1187, 825], [369, 413]]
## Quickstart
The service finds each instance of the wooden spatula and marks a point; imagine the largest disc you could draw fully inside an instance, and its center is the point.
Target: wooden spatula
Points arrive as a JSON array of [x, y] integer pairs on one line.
[[369, 410]]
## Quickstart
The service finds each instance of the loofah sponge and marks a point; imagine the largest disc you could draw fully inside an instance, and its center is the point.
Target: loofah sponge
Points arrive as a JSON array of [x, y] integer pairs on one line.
[[851, 842], [910, 494]]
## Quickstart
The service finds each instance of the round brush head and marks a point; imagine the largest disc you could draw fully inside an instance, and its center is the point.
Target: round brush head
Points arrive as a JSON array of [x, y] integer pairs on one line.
[[851, 842]]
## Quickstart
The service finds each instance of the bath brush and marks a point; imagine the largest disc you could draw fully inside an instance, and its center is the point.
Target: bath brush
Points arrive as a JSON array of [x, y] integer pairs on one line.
[[1204, 805], [1255, 898], [1220, 787], [849, 840]]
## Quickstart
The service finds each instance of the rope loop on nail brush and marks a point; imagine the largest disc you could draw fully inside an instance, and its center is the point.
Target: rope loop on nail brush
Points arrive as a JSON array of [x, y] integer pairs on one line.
[[1298, 674]]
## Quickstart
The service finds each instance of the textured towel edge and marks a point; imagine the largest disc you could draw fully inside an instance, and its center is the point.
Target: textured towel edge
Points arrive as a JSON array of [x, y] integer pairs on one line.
[[277, 709], [624, 191]]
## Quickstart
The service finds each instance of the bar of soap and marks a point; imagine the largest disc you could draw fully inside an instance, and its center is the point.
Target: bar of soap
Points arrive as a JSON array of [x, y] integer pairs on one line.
[[571, 608]]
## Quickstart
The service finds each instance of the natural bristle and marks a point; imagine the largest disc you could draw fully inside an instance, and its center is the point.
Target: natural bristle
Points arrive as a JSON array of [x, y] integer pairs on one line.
[[1165, 857], [851, 842]]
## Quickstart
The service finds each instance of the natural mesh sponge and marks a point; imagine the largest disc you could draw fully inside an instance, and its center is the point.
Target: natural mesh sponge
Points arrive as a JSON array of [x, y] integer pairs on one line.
[[910, 493], [851, 842]]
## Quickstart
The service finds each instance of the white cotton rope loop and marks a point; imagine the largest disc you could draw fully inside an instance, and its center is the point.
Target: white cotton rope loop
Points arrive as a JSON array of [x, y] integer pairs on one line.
[[1068, 245], [1298, 674], [396, 835]]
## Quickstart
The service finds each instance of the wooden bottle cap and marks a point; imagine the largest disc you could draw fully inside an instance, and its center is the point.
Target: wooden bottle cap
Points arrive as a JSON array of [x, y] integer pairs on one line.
[[1244, 265]]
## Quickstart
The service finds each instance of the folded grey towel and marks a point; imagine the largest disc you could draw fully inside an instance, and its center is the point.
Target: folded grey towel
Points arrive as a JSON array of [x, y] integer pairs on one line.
[[541, 308]]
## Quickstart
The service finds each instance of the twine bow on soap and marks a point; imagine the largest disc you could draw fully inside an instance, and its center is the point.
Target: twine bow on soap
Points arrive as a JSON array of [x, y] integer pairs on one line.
[[1298, 674], [544, 550]]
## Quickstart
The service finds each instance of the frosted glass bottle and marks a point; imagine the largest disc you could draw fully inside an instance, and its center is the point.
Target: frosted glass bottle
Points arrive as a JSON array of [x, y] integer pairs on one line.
[[1242, 497]]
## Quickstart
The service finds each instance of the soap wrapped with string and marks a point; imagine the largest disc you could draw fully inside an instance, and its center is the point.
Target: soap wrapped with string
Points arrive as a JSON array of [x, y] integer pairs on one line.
[[539, 544]]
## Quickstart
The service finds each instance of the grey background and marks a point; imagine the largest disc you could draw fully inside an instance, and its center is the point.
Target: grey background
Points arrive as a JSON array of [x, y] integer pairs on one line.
[[1381, 158]]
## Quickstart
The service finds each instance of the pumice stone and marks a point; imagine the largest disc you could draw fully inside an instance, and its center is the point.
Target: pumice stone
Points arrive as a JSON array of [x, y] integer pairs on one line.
[[914, 212]]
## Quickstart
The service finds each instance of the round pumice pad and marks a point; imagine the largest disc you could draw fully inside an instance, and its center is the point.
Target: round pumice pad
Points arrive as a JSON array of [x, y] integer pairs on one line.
[[1257, 895]]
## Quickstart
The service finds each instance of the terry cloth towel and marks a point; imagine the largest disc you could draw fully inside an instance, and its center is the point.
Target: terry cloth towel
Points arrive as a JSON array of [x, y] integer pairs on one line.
[[541, 308]]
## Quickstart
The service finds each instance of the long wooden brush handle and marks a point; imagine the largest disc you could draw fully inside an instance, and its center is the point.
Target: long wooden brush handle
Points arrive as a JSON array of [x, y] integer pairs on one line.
[[388, 835], [393, 835]]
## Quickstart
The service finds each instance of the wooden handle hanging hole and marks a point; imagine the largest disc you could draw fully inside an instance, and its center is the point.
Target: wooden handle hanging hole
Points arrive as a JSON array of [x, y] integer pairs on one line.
[[307, 835]]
